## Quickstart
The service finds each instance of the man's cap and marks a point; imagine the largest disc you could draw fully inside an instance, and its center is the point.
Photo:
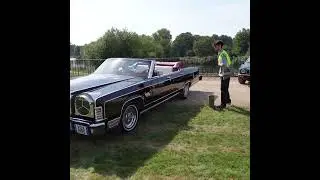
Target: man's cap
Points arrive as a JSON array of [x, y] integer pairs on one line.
[[218, 42]]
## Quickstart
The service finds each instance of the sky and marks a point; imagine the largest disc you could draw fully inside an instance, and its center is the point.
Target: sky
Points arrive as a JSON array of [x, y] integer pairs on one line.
[[90, 19]]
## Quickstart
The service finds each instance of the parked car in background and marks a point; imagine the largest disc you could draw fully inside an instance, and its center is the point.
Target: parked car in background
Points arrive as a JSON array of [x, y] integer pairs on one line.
[[244, 72], [121, 89]]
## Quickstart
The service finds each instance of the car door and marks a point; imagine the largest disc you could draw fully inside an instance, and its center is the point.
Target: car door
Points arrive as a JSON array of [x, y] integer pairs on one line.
[[158, 90], [178, 80]]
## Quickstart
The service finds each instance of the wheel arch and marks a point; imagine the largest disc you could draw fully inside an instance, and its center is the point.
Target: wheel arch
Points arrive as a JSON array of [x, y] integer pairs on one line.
[[139, 100]]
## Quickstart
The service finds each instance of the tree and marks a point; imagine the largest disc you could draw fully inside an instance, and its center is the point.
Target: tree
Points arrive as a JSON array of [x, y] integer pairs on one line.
[[114, 43], [182, 44], [248, 52], [190, 53], [123, 43], [74, 51], [241, 42], [215, 37], [148, 47], [196, 37], [163, 37], [203, 46], [71, 50], [77, 52]]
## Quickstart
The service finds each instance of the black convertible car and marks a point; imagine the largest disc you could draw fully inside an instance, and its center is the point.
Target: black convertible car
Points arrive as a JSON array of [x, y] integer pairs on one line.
[[121, 89]]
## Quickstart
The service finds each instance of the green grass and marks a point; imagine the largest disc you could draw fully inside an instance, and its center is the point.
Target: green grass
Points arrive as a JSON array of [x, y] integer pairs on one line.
[[171, 142]]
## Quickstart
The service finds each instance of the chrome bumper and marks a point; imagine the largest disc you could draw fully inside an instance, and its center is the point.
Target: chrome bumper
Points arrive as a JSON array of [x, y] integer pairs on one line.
[[92, 128], [243, 74]]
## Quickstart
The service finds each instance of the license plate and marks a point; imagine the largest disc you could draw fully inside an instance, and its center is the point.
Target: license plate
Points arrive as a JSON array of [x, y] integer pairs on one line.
[[81, 129]]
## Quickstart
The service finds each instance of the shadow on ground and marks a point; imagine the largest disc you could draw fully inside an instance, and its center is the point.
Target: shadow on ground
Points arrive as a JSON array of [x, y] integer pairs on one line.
[[122, 155], [196, 98]]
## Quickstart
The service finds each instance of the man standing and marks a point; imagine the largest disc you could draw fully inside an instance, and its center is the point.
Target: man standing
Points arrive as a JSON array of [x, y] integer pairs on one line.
[[224, 63]]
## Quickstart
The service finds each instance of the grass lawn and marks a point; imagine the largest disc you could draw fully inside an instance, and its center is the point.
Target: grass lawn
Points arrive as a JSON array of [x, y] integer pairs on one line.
[[171, 142]]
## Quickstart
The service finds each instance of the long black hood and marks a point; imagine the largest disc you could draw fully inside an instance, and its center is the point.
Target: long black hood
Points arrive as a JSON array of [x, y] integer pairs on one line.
[[93, 81]]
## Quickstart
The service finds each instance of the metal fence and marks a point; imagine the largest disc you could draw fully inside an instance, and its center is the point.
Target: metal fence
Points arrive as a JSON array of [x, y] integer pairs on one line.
[[81, 67]]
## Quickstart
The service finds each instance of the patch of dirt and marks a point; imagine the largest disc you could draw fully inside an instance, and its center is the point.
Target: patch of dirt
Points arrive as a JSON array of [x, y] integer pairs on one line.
[[200, 92]]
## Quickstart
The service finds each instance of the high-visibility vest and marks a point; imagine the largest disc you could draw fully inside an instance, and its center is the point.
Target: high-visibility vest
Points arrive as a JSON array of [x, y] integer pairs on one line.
[[222, 54]]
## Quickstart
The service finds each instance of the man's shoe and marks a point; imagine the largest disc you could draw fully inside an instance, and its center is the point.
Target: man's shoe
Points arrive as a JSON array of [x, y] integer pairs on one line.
[[219, 108], [229, 102]]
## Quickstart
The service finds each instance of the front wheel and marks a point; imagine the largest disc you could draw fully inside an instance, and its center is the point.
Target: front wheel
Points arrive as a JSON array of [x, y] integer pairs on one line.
[[129, 118]]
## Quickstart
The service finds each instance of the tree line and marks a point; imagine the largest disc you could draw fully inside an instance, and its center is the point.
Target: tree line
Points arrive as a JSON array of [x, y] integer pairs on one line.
[[123, 43]]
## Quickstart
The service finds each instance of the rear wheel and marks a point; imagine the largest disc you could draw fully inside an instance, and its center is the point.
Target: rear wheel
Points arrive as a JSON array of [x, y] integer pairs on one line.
[[185, 91], [241, 80]]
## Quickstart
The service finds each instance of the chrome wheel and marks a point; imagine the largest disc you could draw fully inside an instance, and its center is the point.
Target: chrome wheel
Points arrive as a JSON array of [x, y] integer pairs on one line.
[[130, 118]]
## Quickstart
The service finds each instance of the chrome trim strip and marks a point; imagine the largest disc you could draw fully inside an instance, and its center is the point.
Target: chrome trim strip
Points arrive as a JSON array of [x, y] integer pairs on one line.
[[86, 121], [113, 122], [100, 120], [243, 74], [176, 72], [97, 125], [79, 121], [162, 97], [159, 103], [90, 125]]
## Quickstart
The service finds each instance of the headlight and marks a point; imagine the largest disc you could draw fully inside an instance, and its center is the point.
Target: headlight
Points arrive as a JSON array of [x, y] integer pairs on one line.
[[84, 106]]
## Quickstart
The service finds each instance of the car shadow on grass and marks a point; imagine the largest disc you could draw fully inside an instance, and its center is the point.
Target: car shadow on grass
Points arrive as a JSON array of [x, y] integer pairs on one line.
[[196, 98], [121, 155]]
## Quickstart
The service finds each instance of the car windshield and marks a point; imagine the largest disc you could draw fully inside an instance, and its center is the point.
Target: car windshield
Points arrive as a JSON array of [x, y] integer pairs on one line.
[[248, 60], [123, 66]]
